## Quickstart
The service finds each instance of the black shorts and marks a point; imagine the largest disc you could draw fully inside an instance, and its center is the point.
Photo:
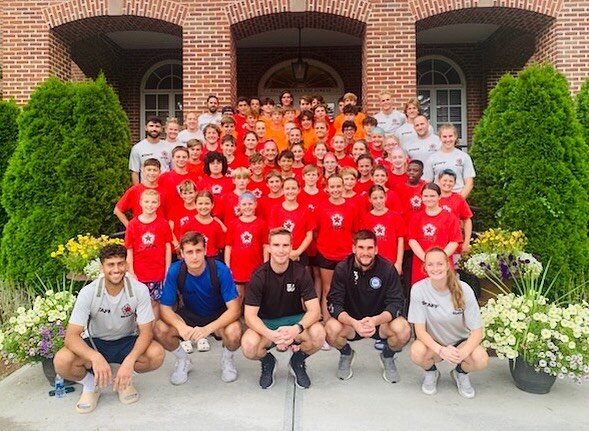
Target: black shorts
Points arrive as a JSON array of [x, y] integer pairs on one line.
[[322, 262], [193, 319], [114, 351], [304, 259], [374, 336]]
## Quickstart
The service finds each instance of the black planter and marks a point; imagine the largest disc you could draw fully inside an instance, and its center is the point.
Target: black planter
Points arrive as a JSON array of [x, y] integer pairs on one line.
[[49, 372], [528, 379]]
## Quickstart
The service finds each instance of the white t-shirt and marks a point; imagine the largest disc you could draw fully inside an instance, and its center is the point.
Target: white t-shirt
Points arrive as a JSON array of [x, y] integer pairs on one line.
[[208, 118], [115, 318], [185, 135], [457, 160], [390, 122], [144, 150], [442, 321], [422, 148], [406, 132]]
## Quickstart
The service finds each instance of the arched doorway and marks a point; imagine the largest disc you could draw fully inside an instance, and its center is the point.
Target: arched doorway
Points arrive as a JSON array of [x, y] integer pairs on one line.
[[161, 92]]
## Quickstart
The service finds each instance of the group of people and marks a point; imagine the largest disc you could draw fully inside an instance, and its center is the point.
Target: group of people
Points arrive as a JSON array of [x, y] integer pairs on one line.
[[279, 227]]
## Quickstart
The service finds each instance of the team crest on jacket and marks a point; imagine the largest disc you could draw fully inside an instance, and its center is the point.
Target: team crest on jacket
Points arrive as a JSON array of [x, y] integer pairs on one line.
[[246, 238], [429, 230], [126, 310], [148, 238], [375, 283], [337, 220]]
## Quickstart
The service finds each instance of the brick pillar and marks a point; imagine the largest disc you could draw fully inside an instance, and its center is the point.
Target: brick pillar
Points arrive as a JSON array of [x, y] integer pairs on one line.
[[388, 54], [30, 52], [565, 42], [208, 57]]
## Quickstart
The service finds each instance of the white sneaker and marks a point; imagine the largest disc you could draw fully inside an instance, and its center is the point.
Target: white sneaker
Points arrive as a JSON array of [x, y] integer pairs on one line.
[[228, 369], [180, 374], [430, 382], [463, 384]]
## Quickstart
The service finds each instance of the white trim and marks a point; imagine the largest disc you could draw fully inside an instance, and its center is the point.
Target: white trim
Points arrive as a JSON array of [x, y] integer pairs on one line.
[[462, 86], [142, 92]]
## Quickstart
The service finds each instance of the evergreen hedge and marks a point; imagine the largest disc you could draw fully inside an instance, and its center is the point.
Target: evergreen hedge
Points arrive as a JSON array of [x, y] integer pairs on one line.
[[8, 137], [68, 170], [543, 175], [583, 108]]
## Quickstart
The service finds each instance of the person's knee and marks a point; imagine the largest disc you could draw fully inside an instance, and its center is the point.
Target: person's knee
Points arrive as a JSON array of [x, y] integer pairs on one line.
[[332, 329], [156, 355], [63, 360], [249, 344], [418, 352], [161, 331], [401, 329], [232, 335], [479, 358], [316, 335]]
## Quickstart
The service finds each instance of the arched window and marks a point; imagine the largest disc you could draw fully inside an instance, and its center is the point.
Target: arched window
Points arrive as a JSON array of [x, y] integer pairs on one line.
[[161, 92], [441, 91]]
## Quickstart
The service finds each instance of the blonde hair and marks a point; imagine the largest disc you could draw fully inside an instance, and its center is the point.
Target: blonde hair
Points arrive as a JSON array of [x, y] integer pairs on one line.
[[451, 280], [240, 172], [448, 126], [150, 192], [348, 170]]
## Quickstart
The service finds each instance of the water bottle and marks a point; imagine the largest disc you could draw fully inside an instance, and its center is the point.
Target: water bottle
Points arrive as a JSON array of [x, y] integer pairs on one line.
[[59, 387]]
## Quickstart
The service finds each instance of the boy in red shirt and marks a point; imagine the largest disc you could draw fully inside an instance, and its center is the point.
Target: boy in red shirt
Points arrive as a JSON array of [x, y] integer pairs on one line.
[[179, 215], [150, 174], [215, 179], [195, 165], [257, 184], [227, 207], [149, 250], [169, 181], [274, 197]]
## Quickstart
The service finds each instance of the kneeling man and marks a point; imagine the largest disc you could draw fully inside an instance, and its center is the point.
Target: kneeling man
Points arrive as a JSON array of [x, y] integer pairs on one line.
[[282, 309], [207, 304], [366, 300], [116, 311]]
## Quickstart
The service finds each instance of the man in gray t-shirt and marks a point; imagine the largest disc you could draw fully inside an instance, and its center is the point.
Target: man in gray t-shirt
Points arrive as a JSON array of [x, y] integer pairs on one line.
[[424, 144], [152, 147], [115, 316]]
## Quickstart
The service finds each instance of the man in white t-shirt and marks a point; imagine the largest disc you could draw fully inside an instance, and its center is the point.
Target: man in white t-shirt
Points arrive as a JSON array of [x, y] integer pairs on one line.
[[425, 143], [115, 316], [191, 130], [388, 118], [213, 116], [152, 147]]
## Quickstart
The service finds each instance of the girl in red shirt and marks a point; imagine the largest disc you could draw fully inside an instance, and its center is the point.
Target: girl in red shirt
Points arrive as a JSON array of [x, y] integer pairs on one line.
[[456, 204], [365, 164], [203, 222], [360, 147], [246, 243], [250, 143], [298, 150], [338, 143], [432, 227], [397, 168]]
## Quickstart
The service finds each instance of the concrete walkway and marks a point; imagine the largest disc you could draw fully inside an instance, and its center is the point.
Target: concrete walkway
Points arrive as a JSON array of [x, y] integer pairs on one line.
[[365, 402]]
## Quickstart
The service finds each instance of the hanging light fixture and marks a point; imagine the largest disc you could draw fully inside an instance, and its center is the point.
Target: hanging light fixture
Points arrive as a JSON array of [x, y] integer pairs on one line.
[[299, 67]]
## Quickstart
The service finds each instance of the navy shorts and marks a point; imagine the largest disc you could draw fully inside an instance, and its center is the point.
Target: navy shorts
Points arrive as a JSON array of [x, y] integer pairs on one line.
[[374, 336], [114, 351], [325, 263]]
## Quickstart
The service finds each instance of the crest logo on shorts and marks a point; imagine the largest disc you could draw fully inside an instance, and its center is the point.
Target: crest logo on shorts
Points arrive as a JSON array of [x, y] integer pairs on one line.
[[290, 287], [375, 283]]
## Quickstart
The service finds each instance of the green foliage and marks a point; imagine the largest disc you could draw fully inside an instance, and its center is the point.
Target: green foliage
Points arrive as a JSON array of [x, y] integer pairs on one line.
[[532, 163], [68, 170], [8, 136], [583, 108]]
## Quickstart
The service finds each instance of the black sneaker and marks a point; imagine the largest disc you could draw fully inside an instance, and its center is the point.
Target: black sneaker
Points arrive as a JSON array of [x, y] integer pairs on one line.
[[297, 369], [268, 371]]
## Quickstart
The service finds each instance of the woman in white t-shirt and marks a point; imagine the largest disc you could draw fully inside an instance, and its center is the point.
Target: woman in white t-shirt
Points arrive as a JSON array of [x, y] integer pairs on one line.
[[448, 325]]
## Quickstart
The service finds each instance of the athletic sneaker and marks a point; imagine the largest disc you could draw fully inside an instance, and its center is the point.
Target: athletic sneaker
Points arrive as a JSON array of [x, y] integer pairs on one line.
[[299, 372], [379, 344], [430, 382], [268, 371], [463, 384], [228, 369], [180, 374], [390, 373], [344, 367]]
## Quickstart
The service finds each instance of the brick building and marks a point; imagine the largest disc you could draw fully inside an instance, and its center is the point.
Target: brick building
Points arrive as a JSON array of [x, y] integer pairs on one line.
[[165, 56]]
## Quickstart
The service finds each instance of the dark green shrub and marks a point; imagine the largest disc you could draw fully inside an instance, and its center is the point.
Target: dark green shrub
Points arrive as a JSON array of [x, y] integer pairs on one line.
[[8, 136], [583, 108], [541, 181], [68, 170]]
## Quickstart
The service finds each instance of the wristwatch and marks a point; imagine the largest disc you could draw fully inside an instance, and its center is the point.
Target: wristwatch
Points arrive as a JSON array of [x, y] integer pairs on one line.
[[301, 328]]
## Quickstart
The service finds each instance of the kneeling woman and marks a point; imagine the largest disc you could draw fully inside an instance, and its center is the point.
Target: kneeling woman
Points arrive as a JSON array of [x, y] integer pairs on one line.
[[448, 325]]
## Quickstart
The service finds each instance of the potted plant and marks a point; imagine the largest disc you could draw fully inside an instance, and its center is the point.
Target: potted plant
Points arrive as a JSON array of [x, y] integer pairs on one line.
[[35, 334], [543, 340], [500, 254], [80, 255]]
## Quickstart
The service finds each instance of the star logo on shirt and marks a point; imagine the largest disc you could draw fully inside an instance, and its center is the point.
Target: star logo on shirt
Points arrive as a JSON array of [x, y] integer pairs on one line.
[[337, 220], [236, 210], [184, 220], [311, 207], [415, 202], [246, 238], [148, 238], [447, 208], [288, 225], [257, 193], [429, 230], [380, 231], [217, 189]]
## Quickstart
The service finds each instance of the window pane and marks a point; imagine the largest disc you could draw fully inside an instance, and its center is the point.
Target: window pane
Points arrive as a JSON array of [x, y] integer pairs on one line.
[[442, 96], [425, 100], [455, 114], [152, 82], [150, 114], [441, 66], [162, 101], [426, 79], [150, 101], [440, 79], [163, 70], [455, 97], [176, 83], [453, 77], [442, 115], [177, 70], [166, 83], [178, 105]]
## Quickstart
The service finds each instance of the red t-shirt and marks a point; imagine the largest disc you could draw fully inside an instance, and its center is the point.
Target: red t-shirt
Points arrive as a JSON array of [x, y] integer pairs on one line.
[[217, 186], [196, 169], [346, 161], [170, 181], [180, 215], [227, 207], [298, 222], [266, 205], [213, 233], [335, 227], [410, 199], [432, 231], [393, 201], [258, 188], [148, 242], [363, 187], [239, 161], [457, 205], [246, 240], [388, 228], [377, 155], [396, 180], [130, 200]]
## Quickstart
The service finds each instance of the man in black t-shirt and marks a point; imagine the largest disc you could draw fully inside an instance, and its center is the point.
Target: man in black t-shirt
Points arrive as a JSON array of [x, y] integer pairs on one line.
[[275, 315], [366, 300]]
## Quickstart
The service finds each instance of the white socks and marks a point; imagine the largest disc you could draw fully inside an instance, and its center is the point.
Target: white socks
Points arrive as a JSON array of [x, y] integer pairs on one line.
[[88, 383]]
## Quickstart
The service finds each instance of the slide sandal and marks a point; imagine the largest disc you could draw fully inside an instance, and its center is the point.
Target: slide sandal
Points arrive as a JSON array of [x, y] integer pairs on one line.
[[129, 395], [88, 401], [203, 345]]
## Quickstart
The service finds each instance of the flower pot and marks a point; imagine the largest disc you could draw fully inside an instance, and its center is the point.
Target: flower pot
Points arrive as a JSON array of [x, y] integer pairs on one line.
[[528, 379], [489, 290], [49, 371]]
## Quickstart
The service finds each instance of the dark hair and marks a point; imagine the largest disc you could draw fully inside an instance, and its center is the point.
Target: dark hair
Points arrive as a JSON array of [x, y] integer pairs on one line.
[[179, 148], [192, 238], [449, 172], [242, 99], [319, 98], [370, 121], [212, 96], [416, 162], [279, 231], [153, 119], [268, 101], [364, 157], [432, 186], [204, 194], [306, 114], [152, 162], [229, 138], [112, 250], [349, 123], [374, 188], [285, 154], [214, 156], [350, 109], [364, 234]]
